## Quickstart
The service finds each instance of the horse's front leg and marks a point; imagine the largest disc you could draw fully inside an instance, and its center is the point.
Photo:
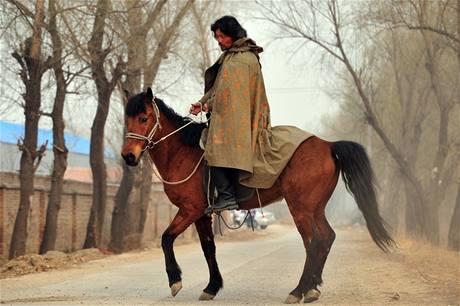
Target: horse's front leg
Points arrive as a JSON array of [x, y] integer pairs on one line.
[[204, 229], [179, 224]]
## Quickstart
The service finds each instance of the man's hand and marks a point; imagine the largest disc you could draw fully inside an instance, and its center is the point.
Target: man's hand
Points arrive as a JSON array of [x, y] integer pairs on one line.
[[196, 108]]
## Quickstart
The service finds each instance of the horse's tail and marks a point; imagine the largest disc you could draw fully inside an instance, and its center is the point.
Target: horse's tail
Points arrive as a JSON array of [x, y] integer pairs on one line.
[[351, 159]]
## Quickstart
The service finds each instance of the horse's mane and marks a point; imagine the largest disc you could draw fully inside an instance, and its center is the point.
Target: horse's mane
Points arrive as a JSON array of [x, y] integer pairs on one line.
[[190, 135]]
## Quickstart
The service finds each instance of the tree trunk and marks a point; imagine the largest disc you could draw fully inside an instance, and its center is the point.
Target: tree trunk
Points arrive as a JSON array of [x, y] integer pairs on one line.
[[454, 228], [132, 238], [458, 48], [99, 172], [59, 148], [132, 222], [32, 69], [136, 59], [431, 228], [26, 177], [150, 74], [120, 210], [146, 188], [414, 215], [104, 91], [392, 193]]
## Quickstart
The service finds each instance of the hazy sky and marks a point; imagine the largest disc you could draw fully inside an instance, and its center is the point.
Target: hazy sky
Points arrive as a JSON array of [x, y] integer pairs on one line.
[[296, 86]]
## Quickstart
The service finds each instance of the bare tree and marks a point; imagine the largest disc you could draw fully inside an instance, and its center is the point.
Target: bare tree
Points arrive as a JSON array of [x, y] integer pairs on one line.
[[136, 41], [56, 62], [426, 193], [439, 31], [454, 228], [32, 69], [203, 13], [142, 71], [105, 86], [59, 148]]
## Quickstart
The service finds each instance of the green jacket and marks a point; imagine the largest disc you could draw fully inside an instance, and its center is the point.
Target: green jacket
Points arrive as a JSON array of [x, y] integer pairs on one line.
[[240, 134]]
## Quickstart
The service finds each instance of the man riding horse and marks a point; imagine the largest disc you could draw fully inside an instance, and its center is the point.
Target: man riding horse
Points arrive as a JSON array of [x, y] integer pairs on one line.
[[281, 161], [240, 140]]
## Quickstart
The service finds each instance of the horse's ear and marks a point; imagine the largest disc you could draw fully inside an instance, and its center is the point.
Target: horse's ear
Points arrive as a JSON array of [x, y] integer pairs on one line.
[[149, 94]]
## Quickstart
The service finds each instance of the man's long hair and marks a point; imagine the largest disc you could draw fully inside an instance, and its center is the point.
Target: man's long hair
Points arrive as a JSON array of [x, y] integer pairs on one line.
[[230, 27]]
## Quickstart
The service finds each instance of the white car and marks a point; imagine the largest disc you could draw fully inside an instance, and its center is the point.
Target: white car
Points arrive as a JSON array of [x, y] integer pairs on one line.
[[261, 220], [265, 219], [238, 217]]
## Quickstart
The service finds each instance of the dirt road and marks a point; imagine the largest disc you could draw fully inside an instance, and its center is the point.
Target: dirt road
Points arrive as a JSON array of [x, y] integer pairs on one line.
[[259, 272]]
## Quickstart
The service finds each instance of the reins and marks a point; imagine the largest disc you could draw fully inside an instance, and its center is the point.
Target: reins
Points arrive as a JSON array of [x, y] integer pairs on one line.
[[183, 180], [151, 143]]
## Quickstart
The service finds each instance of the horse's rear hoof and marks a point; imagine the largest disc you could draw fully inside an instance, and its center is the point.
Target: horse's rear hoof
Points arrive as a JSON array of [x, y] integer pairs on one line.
[[175, 288], [311, 296], [292, 299], [206, 296]]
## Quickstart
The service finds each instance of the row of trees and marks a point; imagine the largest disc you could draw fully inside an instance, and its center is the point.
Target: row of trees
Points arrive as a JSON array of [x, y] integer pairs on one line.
[[117, 45], [399, 68], [398, 63]]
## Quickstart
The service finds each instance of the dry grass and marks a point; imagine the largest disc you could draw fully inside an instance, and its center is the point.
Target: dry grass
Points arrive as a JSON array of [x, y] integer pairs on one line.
[[433, 263]]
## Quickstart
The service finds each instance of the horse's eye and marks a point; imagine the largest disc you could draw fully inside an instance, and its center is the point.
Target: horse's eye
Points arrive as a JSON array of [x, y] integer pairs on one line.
[[144, 119]]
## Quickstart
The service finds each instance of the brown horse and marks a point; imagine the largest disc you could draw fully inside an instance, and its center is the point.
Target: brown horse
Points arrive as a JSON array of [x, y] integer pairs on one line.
[[306, 184]]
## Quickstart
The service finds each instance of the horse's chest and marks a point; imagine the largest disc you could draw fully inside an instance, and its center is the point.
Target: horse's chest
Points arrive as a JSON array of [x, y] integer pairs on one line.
[[182, 196]]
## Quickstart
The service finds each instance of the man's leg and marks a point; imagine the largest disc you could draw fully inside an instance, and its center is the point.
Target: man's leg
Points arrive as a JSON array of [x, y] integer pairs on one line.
[[222, 179]]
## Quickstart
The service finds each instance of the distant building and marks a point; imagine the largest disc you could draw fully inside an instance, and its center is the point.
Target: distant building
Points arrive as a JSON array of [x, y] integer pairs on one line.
[[78, 167]]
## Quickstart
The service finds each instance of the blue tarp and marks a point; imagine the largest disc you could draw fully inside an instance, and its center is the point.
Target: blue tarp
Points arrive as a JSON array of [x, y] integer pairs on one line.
[[11, 132]]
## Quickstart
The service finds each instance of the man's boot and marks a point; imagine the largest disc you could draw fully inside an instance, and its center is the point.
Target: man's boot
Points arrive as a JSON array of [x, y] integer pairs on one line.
[[221, 178]]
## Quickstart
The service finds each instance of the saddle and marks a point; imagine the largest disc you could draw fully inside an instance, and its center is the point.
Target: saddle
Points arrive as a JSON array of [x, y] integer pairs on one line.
[[242, 193]]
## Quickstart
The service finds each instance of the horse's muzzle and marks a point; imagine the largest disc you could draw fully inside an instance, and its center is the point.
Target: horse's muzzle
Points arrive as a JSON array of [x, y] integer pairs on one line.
[[130, 159]]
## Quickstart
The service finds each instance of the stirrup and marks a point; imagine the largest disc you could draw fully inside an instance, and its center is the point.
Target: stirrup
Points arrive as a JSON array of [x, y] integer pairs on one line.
[[210, 210]]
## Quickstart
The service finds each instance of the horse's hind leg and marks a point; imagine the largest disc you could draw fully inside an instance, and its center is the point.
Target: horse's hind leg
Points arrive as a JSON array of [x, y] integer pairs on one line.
[[311, 239], [204, 228], [322, 237], [307, 210], [179, 224], [327, 239]]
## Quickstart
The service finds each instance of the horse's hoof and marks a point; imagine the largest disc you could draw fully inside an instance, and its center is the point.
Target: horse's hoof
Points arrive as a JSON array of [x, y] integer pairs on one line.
[[311, 296], [292, 299], [175, 288], [206, 296]]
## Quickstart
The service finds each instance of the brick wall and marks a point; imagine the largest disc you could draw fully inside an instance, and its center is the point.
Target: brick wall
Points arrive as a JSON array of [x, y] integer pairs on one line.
[[74, 214]]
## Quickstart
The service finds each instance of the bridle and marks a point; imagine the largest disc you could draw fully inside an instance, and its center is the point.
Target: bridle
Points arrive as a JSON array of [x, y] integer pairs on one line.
[[149, 138], [157, 126], [151, 143]]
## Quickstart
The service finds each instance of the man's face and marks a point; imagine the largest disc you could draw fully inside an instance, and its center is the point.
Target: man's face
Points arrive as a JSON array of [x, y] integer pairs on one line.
[[225, 42]]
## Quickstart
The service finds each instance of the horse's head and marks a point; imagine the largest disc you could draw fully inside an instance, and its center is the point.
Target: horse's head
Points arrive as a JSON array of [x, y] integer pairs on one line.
[[142, 122]]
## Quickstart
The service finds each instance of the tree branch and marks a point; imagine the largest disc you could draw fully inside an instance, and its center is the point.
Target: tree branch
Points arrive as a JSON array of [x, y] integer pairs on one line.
[[39, 155], [152, 17], [434, 30]]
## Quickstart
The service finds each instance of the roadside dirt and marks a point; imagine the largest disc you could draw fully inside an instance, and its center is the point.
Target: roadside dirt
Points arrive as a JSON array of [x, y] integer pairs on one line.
[[415, 273], [54, 260], [437, 267]]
